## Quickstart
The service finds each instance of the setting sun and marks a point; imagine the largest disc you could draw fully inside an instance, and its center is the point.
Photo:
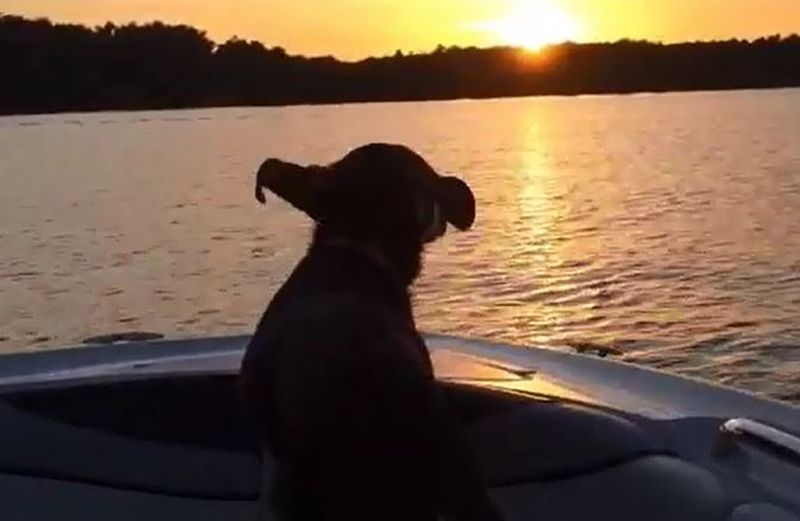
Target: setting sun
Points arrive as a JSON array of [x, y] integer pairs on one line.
[[534, 25]]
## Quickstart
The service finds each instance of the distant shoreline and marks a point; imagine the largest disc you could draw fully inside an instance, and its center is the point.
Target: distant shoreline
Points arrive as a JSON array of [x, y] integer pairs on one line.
[[61, 68], [376, 102]]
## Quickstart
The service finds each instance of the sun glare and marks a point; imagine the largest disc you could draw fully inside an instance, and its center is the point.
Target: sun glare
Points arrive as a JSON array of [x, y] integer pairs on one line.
[[534, 25]]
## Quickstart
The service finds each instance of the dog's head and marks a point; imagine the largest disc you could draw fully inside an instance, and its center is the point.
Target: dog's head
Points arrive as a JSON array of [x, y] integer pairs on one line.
[[384, 195]]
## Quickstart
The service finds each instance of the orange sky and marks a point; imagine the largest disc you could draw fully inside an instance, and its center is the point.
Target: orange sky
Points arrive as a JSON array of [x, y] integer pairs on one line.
[[357, 28]]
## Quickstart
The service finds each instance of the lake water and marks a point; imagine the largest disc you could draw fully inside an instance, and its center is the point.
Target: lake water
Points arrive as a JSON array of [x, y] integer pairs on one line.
[[666, 227]]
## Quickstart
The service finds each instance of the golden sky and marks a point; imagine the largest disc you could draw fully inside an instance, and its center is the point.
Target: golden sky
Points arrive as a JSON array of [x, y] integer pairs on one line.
[[354, 29]]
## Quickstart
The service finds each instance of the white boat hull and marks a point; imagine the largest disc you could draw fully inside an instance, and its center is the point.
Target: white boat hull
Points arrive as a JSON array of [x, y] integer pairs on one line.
[[591, 436]]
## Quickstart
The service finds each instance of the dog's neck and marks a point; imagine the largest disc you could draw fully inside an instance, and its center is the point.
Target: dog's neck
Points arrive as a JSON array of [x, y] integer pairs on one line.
[[401, 262]]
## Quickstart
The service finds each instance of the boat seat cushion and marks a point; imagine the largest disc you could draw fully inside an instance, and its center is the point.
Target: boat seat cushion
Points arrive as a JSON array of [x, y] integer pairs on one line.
[[550, 440], [35, 446], [559, 461], [35, 499], [655, 488]]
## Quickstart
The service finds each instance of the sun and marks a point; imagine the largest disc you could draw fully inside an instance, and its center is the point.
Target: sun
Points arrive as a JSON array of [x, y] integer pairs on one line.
[[534, 25]]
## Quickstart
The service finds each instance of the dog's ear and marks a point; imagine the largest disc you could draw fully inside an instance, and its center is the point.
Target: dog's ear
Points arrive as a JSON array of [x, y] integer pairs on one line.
[[456, 201], [301, 186]]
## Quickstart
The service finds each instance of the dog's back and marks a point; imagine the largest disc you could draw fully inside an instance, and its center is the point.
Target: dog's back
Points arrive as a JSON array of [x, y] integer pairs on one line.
[[343, 385]]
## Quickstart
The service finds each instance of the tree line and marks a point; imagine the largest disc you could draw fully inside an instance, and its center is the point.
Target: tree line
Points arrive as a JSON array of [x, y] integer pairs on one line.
[[48, 67]]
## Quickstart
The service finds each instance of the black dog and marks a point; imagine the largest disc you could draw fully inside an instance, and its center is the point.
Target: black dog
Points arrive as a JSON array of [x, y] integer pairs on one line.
[[338, 377]]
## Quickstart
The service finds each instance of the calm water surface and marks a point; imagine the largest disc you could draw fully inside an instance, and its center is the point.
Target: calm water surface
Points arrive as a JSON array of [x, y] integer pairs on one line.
[[665, 227]]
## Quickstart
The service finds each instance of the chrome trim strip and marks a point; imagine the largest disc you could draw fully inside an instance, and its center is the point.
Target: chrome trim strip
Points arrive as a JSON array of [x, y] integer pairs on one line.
[[746, 429]]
